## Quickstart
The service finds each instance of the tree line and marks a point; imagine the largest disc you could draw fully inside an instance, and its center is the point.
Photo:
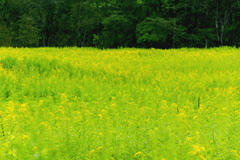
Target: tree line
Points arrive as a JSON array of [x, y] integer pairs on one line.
[[119, 23]]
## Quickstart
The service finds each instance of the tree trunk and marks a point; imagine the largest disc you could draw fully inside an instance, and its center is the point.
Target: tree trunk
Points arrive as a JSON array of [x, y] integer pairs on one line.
[[223, 21]]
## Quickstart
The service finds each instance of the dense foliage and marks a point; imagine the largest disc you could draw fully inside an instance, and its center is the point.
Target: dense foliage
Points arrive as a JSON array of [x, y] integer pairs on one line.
[[85, 103], [119, 23]]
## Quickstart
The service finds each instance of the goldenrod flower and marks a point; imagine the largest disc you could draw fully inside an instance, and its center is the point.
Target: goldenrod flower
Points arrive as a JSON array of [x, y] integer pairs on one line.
[[92, 151], [6, 145], [35, 148], [138, 153], [40, 102], [197, 150], [164, 115], [64, 98], [25, 137], [60, 109], [189, 139], [234, 153], [12, 152], [104, 111], [99, 148], [195, 117], [45, 124], [203, 158]]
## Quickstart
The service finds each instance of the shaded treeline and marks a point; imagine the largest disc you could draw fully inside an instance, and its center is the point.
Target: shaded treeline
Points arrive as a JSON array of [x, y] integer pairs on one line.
[[119, 23]]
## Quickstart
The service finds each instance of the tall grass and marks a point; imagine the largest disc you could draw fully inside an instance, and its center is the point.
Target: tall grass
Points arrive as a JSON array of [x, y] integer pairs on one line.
[[85, 103]]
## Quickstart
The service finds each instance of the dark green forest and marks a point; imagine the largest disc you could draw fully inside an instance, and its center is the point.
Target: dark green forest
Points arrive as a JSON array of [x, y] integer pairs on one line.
[[119, 23]]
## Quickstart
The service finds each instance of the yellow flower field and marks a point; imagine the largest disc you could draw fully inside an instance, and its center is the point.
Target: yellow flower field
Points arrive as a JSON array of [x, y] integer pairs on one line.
[[85, 103]]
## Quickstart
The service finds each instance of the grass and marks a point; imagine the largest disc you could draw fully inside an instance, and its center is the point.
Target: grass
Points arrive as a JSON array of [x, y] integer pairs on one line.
[[85, 103]]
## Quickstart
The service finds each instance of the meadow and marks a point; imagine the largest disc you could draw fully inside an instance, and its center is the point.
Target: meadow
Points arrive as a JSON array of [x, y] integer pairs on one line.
[[132, 104]]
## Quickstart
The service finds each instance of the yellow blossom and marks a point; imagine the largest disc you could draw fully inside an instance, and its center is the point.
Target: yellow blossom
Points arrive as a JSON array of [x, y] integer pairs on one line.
[[202, 157], [92, 151], [6, 145], [164, 102], [40, 102], [25, 137], [45, 124], [60, 109], [197, 135], [197, 150], [195, 117], [234, 153], [164, 115], [138, 153], [64, 98], [189, 139], [104, 111], [12, 152], [35, 148], [99, 148]]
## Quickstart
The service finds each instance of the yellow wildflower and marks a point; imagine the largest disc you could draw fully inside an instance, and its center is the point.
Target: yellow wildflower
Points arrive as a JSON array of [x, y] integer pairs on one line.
[[189, 139], [25, 137], [60, 109], [196, 150], [203, 158], [45, 124], [99, 148], [12, 152], [104, 111], [195, 117], [40, 102], [92, 151], [35, 148], [164, 115], [138, 153], [234, 153], [6, 145]]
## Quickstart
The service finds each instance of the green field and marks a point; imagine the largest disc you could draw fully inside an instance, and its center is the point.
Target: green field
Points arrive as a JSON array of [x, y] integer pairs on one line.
[[85, 103]]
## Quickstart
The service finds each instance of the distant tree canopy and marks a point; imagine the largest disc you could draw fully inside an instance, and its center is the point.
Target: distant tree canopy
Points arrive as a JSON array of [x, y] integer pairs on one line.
[[119, 23]]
